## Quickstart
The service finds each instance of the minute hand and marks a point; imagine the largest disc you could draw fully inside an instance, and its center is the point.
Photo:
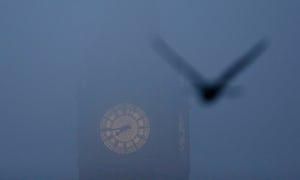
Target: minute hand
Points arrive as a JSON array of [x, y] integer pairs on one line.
[[242, 62]]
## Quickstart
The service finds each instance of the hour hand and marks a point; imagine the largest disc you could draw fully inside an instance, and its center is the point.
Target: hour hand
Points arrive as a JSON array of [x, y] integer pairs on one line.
[[119, 129]]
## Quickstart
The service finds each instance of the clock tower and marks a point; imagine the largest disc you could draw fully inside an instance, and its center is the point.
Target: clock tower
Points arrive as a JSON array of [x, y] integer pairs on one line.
[[133, 121]]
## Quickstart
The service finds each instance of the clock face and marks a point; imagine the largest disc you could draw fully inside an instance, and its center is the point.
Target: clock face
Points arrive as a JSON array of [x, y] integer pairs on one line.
[[124, 128]]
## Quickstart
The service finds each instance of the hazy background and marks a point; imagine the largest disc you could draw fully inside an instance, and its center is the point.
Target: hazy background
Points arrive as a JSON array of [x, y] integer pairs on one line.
[[44, 43]]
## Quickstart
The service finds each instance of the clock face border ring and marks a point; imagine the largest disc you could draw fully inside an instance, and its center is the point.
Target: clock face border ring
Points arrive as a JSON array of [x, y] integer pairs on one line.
[[124, 128]]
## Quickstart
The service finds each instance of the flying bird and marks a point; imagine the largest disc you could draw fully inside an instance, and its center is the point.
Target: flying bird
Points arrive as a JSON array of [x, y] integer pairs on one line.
[[208, 91]]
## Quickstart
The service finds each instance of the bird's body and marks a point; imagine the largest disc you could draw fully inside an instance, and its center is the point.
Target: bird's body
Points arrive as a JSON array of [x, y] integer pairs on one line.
[[209, 93]]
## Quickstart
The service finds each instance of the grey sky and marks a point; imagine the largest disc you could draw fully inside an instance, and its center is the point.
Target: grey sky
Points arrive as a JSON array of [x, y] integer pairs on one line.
[[44, 43]]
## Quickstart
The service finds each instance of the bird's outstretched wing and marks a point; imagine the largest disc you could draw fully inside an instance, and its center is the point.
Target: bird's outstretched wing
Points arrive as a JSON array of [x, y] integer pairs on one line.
[[243, 62], [177, 62]]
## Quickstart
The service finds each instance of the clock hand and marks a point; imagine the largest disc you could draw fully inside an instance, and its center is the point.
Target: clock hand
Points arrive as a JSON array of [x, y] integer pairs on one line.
[[125, 128], [122, 129]]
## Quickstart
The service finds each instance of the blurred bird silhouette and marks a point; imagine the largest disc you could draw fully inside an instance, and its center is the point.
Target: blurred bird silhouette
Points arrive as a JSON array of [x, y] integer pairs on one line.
[[208, 91]]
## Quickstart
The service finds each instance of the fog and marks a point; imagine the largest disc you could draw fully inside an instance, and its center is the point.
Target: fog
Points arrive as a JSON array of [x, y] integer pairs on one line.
[[48, 48]]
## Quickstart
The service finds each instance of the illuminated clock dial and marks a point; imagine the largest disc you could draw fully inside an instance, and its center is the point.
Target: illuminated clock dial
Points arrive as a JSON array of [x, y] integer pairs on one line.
[[124, 128]]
